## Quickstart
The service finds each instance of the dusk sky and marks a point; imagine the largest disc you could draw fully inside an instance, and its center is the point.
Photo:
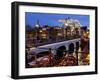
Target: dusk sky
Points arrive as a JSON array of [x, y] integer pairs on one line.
[[31, 19]]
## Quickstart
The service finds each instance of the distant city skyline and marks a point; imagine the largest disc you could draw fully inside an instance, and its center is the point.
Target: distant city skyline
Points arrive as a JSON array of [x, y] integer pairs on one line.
[[51, 19]]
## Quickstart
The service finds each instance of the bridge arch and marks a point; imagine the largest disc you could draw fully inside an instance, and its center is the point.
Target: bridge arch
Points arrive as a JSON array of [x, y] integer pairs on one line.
[[71, 48], [59, 51]]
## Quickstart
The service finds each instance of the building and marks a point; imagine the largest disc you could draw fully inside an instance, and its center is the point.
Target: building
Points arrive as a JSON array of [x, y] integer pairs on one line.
[[50, 34]]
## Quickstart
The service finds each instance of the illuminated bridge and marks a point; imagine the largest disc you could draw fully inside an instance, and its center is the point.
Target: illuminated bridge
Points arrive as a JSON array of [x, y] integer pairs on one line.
[[69, 45]]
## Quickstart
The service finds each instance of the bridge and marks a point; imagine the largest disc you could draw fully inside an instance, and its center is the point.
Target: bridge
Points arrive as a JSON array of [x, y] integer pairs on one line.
[[70, 45]]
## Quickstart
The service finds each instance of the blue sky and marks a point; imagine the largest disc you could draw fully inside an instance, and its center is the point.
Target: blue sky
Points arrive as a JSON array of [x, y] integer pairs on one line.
[[31, 19]]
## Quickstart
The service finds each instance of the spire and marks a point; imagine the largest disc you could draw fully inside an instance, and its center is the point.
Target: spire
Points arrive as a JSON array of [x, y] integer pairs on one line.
[[68, 18], [37, 24]]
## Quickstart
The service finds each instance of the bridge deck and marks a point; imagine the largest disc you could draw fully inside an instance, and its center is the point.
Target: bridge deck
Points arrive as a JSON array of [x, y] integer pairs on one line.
[[53, 45]]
